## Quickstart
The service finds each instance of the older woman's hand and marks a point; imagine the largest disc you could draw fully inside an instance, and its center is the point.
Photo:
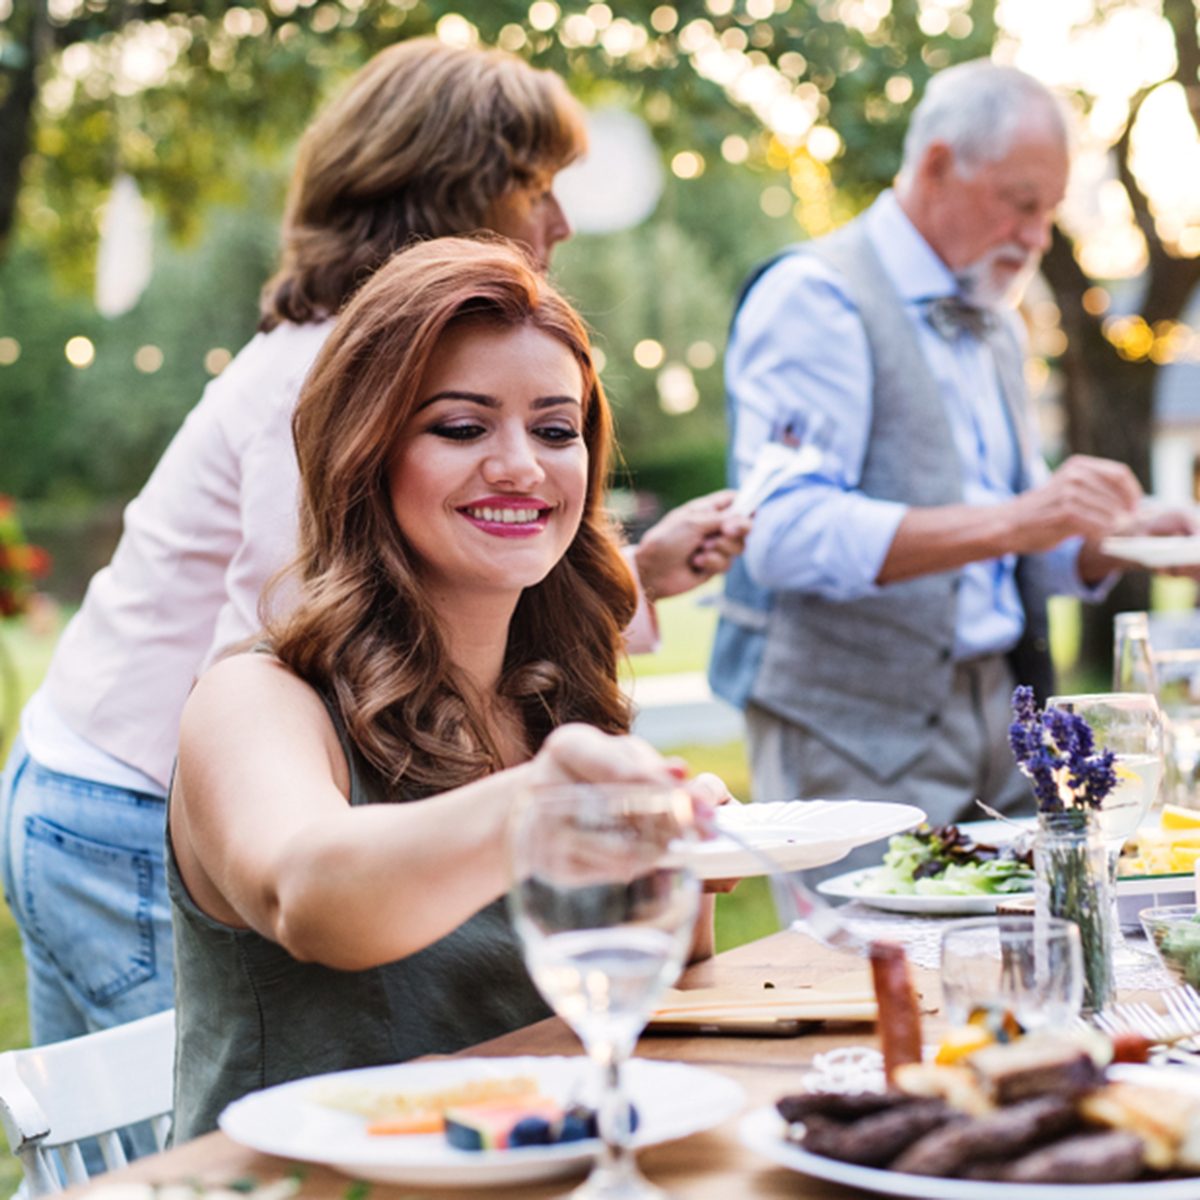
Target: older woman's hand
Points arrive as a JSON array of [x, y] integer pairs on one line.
[[690, 544]]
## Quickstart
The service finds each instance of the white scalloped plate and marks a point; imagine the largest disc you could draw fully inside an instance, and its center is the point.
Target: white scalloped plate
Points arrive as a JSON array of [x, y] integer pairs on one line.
[[797, 834]]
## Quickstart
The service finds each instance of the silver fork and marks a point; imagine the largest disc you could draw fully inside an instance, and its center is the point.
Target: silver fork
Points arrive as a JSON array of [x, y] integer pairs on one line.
[[1140, 1018], [1169, 1033], [1184, 1005], [810, 912]]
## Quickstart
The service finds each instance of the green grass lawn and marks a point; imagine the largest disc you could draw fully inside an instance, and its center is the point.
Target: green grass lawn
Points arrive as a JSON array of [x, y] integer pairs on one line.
[[686, 625]]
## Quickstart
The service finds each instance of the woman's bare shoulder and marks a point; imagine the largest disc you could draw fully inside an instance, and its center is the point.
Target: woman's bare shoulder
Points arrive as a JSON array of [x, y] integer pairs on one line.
[[254, 685]]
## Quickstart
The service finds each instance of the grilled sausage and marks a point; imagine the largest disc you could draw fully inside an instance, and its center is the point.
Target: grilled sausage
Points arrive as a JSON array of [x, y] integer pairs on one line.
[[899, 1013]]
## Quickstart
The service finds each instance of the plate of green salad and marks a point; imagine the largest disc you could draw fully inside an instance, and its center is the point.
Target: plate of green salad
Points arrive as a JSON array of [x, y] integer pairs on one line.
[[940, 870]]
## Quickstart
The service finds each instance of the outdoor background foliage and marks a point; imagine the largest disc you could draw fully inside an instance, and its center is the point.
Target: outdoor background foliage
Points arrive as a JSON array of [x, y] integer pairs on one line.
[[779, 119]]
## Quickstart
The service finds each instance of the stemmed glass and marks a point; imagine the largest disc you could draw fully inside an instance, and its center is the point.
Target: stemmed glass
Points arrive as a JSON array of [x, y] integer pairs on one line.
[[1130, 725], [605, 906]]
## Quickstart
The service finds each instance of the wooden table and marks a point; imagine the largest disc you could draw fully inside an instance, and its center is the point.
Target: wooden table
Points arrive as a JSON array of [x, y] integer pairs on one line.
[[707, 1166]]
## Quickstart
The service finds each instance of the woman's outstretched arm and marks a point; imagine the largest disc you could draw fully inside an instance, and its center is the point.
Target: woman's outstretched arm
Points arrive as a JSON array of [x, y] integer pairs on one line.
[[266, 839]]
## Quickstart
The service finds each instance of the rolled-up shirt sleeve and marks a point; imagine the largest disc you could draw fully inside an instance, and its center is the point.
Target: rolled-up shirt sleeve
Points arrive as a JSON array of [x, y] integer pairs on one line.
[[798, 361]]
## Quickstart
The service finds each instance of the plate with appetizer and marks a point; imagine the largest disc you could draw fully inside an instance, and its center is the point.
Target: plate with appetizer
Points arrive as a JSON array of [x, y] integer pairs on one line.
[[1132, 1138], [796, 834], [943, 870], [993, 1112], [472, 1121]]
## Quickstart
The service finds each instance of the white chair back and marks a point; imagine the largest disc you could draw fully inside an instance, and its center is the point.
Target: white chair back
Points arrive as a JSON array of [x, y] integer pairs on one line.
[[52, 1097]]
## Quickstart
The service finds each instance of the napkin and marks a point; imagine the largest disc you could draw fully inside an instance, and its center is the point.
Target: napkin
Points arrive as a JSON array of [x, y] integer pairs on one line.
[[773, 466], [717, 1006]]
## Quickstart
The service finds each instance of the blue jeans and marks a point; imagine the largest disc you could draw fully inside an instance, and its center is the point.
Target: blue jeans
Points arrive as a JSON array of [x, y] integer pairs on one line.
[[84, 876]]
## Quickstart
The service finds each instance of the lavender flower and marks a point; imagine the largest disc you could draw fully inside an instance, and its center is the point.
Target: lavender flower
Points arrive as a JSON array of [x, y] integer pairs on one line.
[[1056, 751]]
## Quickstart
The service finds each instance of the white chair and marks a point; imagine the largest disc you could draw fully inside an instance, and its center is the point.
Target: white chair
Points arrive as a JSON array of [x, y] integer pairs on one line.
[[52, 1097]]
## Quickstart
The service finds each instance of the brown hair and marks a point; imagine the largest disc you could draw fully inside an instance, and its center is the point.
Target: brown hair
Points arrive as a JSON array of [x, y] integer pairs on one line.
[[365, 632], [423, 141]]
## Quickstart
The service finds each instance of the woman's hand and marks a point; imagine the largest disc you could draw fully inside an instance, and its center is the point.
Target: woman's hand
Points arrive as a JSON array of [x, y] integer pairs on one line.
[[690, 544], [708, 792], [584, 754]]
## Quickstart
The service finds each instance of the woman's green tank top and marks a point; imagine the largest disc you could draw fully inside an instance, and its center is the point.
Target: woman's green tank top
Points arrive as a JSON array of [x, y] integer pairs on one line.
[[250, 1016]]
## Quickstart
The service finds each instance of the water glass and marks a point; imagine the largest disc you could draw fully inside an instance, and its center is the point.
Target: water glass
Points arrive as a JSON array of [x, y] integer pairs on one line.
[[605, 907], [1130, 725], [1029, 966]]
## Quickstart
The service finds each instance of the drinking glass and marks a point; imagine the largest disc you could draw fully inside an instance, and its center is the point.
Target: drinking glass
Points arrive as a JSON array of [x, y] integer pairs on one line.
[[605, 907], [1130, 725], [1178, 672], [1173, 640], [1029, 966]]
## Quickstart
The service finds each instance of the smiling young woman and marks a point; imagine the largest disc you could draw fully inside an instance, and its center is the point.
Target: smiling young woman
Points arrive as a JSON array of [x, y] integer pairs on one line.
[[336, 825], [488, 480]]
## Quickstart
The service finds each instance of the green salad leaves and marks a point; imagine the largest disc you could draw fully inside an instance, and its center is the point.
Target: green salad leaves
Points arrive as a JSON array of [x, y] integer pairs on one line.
[[943, 861]]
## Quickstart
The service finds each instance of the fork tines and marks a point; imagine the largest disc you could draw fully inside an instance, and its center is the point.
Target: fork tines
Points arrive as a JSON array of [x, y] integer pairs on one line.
[[1180, 1024]]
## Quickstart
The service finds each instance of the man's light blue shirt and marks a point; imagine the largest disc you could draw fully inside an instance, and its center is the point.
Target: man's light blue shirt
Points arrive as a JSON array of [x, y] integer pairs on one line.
[[798, 365]]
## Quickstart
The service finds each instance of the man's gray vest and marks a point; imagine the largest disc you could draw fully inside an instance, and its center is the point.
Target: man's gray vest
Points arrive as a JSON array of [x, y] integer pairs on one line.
[[871, 677]]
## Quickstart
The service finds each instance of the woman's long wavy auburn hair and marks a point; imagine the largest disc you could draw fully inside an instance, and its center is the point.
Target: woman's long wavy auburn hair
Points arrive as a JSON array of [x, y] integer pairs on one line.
[[423, 142], [365, 632]]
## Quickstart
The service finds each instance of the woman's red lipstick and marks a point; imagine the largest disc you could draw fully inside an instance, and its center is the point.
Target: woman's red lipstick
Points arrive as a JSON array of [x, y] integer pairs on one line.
[[508, 516]]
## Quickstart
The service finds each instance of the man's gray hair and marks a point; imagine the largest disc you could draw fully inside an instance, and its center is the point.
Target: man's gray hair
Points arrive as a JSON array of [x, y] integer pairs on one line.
[[977, 108]]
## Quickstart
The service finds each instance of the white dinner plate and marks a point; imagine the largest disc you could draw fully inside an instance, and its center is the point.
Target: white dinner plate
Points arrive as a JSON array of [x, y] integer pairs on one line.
[[797, 834], [763, 1130], [861, 886], [673, 1100], [1155, 551]]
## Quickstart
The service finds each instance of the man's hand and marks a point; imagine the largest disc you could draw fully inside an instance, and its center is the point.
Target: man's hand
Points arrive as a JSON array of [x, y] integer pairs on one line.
[[1086, 497], [690, 544]]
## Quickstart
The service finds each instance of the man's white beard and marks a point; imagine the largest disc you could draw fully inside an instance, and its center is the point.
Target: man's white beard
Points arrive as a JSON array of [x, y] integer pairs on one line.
[[981, 282]]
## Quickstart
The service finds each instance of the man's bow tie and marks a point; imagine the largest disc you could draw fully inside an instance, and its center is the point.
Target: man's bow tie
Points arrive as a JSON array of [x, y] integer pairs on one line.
[[951, 316]]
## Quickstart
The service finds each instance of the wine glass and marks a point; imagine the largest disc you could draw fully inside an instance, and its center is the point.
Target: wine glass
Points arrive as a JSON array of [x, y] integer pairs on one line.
[[1130, 725], [605, 906]]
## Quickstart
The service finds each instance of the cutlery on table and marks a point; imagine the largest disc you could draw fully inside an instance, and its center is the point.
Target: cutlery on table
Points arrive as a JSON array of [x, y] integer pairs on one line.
[[807, 911]]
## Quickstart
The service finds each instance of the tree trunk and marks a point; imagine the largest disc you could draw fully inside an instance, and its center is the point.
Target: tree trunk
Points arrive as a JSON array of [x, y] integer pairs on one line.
[[1109, 402], [29, 32]]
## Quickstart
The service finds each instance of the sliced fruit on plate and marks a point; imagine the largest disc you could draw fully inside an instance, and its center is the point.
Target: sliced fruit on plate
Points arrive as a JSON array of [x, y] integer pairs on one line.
[[1175, 817]]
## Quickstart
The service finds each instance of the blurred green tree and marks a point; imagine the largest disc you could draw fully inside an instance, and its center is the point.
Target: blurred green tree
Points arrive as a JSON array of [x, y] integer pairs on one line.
[[201, 102], [163, 88]]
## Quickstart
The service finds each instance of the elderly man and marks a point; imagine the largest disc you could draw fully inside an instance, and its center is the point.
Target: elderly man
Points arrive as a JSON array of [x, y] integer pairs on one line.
[[893, 595]]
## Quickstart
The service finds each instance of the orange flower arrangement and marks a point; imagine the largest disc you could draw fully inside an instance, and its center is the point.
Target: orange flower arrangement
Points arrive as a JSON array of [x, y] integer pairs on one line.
[[20, 563]]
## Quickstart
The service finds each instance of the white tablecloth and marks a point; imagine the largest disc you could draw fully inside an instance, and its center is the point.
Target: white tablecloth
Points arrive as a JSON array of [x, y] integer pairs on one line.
[[921, 937]]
